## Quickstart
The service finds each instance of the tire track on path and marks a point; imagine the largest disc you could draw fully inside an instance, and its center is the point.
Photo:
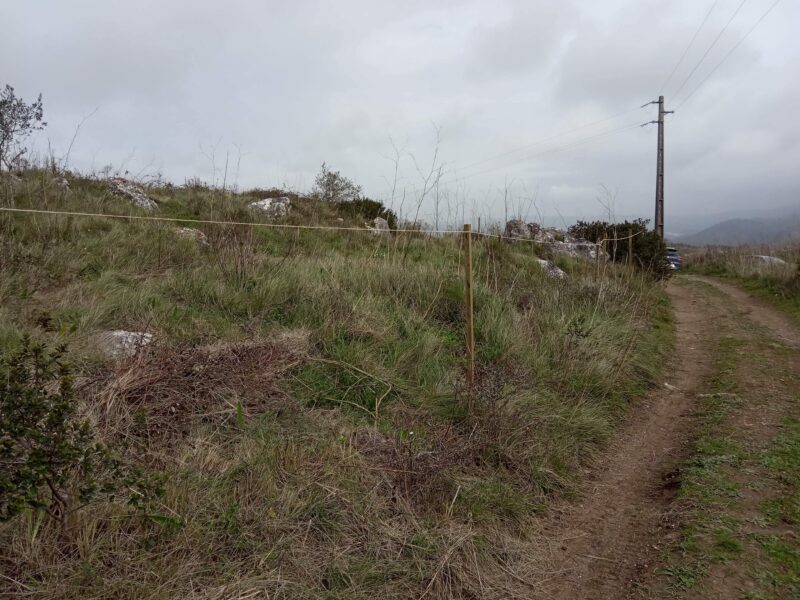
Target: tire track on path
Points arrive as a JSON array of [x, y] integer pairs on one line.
[[605, 545]]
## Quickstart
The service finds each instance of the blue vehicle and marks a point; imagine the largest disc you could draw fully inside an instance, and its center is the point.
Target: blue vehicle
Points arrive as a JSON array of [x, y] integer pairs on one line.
[[674, 259]]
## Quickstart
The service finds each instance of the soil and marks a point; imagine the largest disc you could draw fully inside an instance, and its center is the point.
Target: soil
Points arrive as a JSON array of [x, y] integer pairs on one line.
[[608, 542], [779, 325]]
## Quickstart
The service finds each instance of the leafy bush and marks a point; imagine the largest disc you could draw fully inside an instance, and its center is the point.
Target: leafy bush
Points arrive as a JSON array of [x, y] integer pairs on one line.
[[364, 208], [332, 186], [17, 121], [49, 458], [345, 194], [648, 249]]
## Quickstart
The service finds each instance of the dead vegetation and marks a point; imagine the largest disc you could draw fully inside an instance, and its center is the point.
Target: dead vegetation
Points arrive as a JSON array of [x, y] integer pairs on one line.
[[164, 391]]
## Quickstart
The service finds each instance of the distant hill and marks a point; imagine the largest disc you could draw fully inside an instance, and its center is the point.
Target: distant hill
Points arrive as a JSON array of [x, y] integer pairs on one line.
[[734, 232]]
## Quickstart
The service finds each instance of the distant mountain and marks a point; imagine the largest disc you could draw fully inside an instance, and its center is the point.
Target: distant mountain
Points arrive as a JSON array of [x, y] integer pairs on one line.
[[734, 232], [686, 224]]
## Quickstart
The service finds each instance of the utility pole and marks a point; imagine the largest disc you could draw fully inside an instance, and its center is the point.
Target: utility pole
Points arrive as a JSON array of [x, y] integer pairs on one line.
[[659, 216]]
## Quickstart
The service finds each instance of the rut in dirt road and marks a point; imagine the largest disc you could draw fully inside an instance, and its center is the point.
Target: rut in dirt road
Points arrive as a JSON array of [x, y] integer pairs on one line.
[[607, 544], [778, 324]]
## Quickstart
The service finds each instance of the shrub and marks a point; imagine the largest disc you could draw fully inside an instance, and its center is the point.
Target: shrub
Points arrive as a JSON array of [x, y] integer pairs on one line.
[[648, 249], [49, 458], [364, 208], [332, 186], [17, 121]]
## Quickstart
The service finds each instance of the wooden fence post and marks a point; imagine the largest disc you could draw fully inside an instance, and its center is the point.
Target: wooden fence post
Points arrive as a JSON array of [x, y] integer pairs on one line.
[[470, 323], [630, 248], [597, 259]]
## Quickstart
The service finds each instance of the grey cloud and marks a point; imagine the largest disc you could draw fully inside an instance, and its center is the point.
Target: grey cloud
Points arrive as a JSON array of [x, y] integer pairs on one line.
[[289, 85], [527, 37]]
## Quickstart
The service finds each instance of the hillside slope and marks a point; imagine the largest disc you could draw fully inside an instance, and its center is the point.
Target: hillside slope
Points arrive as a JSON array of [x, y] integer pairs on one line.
[[304, 396], [734, 232]]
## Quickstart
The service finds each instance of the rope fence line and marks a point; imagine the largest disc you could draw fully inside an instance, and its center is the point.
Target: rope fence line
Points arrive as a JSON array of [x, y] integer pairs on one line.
[[290, 226], [466, 235], [215, 222]]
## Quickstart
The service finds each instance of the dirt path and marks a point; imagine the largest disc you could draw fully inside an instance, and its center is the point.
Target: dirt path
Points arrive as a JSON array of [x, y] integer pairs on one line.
[[607, 544], [779, 325]]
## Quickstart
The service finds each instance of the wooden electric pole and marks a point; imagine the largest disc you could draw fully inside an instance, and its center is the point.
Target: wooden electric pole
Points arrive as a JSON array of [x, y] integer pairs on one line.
[[659, 216]]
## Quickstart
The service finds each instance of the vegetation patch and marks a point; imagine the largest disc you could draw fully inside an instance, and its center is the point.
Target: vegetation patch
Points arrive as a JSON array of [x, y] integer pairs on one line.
[[305, 399]]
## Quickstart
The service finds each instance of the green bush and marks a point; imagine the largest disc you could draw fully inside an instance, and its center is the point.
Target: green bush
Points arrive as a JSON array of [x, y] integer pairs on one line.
[[648, 249], [49, 458], [366, 209]]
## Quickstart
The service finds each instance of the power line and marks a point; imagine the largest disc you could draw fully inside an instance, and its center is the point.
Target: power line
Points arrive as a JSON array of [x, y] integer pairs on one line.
[[691, 43], [724, 58], [539, 154], [714, 43], [542, 140], [543, 153]]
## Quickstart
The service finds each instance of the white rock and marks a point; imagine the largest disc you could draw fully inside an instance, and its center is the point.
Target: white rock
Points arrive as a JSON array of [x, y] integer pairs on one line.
[[516, 230], [195, 234], [133, 192], [578, 249], [380, 226], [551, 269], [122, 344], [273, 207]]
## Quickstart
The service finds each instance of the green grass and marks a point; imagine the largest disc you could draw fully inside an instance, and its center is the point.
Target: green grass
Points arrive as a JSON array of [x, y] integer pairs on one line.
[[358, 472], [707, 484], [716, 530], [782, 460]]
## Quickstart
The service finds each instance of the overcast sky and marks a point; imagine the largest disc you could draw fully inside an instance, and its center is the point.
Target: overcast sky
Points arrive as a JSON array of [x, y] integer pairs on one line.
[[540, 97]]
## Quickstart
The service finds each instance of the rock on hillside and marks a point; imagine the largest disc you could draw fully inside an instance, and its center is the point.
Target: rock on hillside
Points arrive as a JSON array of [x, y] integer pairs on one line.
[[577, 249], [517, 230], [122, 344], [133, 192], [553, 272], [380, 226], [560, 242], [273, 207]]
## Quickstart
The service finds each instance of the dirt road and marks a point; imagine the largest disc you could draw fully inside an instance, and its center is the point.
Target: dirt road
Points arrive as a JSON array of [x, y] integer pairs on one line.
[[611, 542]]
